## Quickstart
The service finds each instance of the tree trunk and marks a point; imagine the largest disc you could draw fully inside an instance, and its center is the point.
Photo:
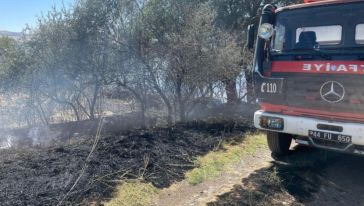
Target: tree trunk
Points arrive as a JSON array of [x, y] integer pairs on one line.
[[75, 111], [211, 91], [161, 94], [143, 111], [46, 121], [231, 92], [168, 105], [181, 106], [249, 86], [141, 98], [94, 100]]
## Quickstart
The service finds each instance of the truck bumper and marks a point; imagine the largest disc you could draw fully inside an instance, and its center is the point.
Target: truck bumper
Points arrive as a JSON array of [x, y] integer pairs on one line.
[[300, 126]]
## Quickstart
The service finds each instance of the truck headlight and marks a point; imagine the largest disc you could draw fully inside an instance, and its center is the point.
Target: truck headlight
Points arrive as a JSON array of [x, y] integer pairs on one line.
[[265, 31], [274, 123]]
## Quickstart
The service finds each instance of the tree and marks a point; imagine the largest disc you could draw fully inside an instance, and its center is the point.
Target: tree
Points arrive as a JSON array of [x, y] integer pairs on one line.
[[179, 50], [234, 16], [187, 48]]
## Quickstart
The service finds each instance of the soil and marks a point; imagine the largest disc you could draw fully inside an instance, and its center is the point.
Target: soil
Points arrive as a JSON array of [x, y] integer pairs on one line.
[[305, 177], [182, 193], [44, 175]]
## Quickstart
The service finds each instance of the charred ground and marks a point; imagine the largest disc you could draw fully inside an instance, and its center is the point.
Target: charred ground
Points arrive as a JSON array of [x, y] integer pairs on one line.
[[43, 176]]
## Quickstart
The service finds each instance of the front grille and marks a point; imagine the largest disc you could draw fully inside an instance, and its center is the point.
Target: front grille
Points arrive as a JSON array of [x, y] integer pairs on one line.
[[330, 127], [331, 144], [303, 91]]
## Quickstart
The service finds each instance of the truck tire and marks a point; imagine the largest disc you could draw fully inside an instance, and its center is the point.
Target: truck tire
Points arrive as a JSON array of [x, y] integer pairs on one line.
[[279, 143]]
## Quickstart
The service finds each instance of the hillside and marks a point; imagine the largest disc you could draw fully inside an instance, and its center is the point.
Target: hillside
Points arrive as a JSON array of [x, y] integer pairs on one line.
[[10, 34]]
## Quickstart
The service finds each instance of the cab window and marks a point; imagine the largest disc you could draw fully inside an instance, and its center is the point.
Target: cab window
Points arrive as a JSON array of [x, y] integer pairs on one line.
[[325, 35], [359, 34]]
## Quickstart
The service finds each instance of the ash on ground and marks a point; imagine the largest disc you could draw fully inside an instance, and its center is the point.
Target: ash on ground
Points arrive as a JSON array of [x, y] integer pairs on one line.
[[43, 175]]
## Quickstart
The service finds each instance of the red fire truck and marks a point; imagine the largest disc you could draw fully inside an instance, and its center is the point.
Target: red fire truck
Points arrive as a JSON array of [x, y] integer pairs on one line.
[[309, 75]]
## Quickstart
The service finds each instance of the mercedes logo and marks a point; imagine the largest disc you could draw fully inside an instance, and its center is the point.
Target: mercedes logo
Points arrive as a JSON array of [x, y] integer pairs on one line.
[[332, 91]]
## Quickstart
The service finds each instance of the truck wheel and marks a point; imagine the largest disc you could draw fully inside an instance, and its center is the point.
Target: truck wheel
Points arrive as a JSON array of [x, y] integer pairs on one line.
[[279, 143]]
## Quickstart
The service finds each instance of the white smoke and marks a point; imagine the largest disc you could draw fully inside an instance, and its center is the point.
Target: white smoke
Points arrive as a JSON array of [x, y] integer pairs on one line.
[[42, 136], [6, 142]]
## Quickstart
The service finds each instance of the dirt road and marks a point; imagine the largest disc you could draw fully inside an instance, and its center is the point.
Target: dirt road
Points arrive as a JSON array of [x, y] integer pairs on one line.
[[305, 177], [182, 193], [342, 182]]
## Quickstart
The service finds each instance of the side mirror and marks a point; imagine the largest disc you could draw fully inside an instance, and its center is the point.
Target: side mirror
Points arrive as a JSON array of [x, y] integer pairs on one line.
[[251, 36]]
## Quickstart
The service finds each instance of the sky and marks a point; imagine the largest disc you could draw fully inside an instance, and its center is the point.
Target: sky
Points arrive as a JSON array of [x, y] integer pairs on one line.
[[15, 14]]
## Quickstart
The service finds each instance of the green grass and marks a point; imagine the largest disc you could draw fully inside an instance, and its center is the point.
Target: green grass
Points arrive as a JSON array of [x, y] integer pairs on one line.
[[133, 193], [212, 164], [138, 193]]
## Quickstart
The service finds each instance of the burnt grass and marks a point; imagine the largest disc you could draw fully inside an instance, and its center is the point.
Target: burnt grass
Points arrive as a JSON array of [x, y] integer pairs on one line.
[[161, 156]]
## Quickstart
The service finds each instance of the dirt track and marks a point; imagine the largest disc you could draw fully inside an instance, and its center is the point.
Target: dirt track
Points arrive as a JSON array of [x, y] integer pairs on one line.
[[307, 176]]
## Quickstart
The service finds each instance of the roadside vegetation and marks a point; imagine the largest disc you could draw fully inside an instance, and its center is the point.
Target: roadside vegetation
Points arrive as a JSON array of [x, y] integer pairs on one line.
[[133, 193], [215, 162], [141, 193]]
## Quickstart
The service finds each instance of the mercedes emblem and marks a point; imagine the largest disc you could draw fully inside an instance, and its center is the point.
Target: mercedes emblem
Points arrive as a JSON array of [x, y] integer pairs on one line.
[[332, 91]]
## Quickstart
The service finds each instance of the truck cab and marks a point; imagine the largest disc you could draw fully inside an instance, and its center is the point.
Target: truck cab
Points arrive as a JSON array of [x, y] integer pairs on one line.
[[309, 75]]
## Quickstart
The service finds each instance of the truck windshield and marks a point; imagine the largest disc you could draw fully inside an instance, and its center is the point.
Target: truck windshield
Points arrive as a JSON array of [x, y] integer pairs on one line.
[[330, 27]]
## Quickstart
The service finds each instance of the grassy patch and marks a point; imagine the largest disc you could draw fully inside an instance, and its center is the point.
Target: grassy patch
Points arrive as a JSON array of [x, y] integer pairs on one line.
[[134, 193], [212, 164], [271, 178], [138, 193]]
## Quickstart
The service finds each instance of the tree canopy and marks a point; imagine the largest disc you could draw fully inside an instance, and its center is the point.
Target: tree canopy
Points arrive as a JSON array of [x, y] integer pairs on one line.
[[171, 51]]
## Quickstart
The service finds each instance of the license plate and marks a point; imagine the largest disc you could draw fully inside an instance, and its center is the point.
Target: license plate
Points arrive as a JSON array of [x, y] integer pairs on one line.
[[329, 136]]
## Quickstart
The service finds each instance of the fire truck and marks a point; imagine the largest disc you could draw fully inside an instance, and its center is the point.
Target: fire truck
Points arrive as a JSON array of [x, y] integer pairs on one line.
[[308, 75]]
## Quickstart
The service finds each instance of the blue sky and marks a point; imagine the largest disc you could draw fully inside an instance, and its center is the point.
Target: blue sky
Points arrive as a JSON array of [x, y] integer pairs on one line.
[[14, 14]]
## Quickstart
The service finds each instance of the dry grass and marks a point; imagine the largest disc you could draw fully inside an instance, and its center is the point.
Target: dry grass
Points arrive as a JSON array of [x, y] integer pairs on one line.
[[212, 164], [135, 193], [272, 178], [138, 193]]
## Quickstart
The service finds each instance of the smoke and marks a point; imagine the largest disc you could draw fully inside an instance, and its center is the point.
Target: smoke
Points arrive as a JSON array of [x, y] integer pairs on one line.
[[6, 142], [43, 136]]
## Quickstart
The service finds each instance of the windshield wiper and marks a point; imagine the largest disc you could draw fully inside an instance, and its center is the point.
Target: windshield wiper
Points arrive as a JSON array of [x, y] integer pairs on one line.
[[348, 50], [313, 52], [353, 47]]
